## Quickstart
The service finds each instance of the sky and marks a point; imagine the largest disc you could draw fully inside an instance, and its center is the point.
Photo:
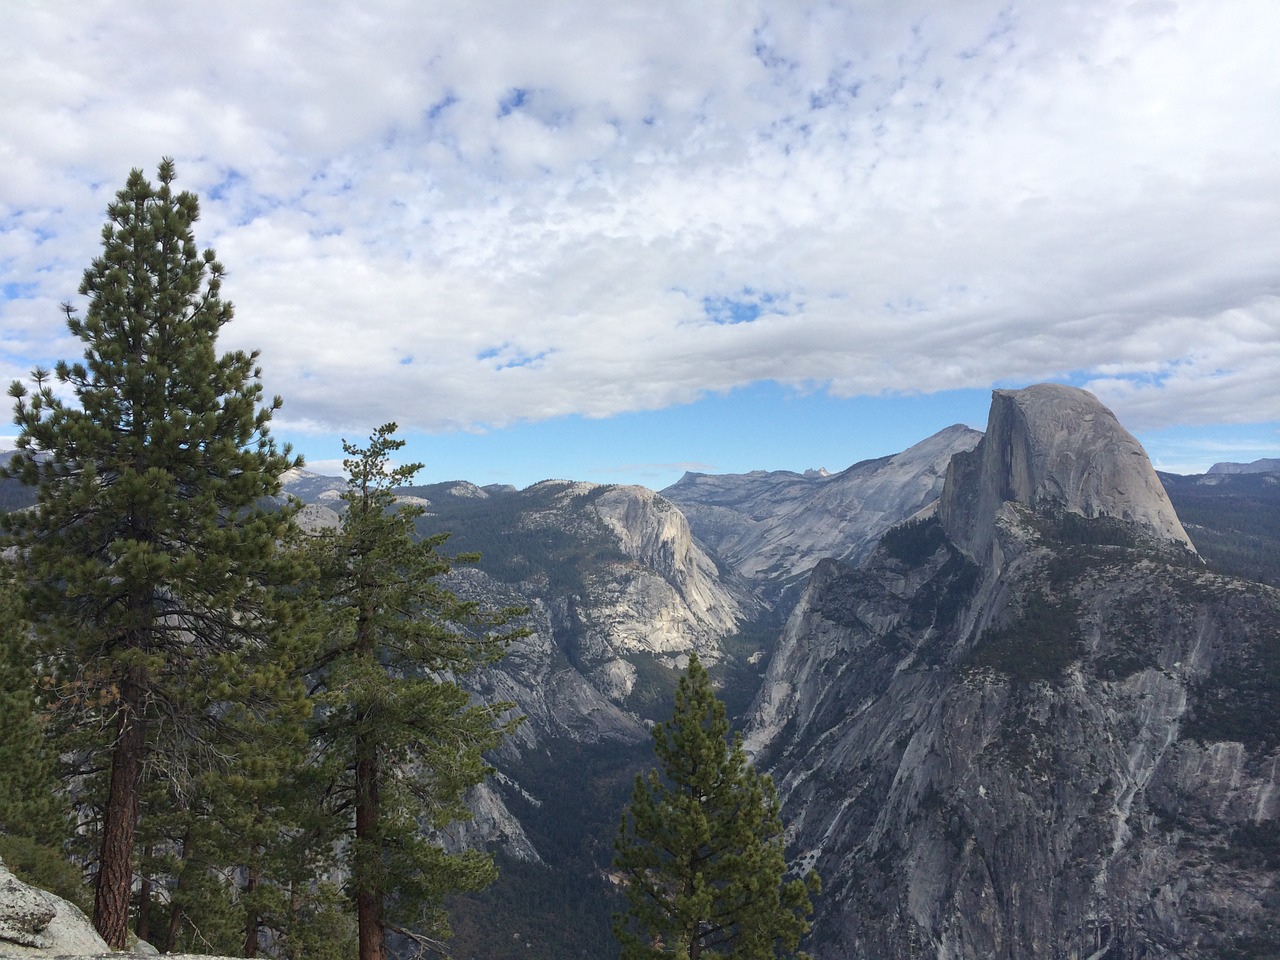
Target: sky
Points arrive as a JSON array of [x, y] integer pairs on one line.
[[617, 241]]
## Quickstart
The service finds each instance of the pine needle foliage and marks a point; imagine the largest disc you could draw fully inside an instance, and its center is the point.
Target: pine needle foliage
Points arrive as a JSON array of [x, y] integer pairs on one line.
[[700, 847], [30, 802], [402, 741], [35, 813], [147, 562]]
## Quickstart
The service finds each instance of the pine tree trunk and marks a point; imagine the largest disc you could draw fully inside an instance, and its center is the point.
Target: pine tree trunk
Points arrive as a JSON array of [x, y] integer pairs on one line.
[[175, 901], [120, 824], [373, 940], [143, 927], [175, 921], [251, 923], [292, 950], [373, 943]]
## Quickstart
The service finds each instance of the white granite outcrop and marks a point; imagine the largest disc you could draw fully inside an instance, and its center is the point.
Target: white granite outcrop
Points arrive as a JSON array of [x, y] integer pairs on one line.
[[35, 923], [1053, 446]]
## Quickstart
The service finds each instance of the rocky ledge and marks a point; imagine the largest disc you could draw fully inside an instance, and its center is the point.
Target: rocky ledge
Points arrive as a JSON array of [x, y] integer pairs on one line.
[[36, 923]]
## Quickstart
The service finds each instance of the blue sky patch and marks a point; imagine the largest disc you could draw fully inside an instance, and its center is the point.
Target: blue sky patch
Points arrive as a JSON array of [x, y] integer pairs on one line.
[[509, 358], [747, 306], [440, 106], [233, 180], [523, 360], [513, 101], [18, 290]]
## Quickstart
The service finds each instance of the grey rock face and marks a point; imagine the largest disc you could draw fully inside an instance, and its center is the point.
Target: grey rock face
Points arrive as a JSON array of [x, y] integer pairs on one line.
[[315, 517], [312, 487], [1106, 785], [556, 698], [491, 825], [1053, 446], [776, 526], [650, 591], [24, 912], [670, 598], [34, 923], [651, 598], [1069, 750]]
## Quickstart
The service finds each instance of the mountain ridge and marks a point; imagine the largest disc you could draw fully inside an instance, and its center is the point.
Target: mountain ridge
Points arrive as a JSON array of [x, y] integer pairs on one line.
[[937, 695], [1267, 465], [1058, 742], [776, 525]]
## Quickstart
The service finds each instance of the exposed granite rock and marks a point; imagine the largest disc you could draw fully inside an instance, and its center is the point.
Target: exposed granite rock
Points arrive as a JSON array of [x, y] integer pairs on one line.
[[25, 912], [1270, 465], [35, 923], [315, 517], [651, 589], [1051, 446], [654, 533], [313, 487], [777, 525], [556, 699], [1068, 749], [491, 823]]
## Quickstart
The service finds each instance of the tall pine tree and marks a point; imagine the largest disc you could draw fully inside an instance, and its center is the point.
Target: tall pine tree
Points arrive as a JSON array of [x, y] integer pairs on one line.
[[404, 742], [700, 846], [147, 559]]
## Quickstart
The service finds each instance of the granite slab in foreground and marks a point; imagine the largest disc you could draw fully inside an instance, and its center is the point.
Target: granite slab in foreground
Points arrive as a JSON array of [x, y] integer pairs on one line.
[[36, 923]]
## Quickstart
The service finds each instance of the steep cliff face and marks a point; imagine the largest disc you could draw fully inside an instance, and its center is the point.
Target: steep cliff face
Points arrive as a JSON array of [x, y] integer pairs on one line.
[[1053, 447], [668, 597], [618, 595], [1058, 737], [613, 575], [776, 526]]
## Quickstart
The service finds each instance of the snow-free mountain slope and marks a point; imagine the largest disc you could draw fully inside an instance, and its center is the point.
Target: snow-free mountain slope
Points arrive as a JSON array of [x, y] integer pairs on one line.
[[1061, 742], [776, 526], [1271, 465]]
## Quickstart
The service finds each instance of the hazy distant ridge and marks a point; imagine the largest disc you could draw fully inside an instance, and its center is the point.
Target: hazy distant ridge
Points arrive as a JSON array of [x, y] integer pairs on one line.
[[1271, 465]]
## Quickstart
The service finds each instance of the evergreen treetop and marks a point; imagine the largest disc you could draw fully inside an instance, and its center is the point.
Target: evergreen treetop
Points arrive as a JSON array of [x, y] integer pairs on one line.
[[700, 846]]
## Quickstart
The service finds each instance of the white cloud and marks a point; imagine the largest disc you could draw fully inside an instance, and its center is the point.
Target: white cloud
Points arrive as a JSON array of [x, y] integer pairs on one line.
[[459, 214]]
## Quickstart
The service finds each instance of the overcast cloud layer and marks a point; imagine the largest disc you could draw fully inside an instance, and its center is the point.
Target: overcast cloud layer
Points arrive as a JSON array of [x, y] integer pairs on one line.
[[466, 214]]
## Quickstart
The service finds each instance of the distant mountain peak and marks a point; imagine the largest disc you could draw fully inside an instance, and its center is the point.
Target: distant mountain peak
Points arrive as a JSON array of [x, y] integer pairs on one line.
[[1271, 465], [1056, 447]]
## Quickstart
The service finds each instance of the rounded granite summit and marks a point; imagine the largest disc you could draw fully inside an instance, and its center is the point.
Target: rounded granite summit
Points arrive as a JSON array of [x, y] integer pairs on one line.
[[1051, 446]]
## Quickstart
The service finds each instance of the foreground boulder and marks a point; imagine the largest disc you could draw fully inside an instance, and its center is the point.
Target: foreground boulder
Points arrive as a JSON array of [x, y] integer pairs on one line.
[[35, 923]]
